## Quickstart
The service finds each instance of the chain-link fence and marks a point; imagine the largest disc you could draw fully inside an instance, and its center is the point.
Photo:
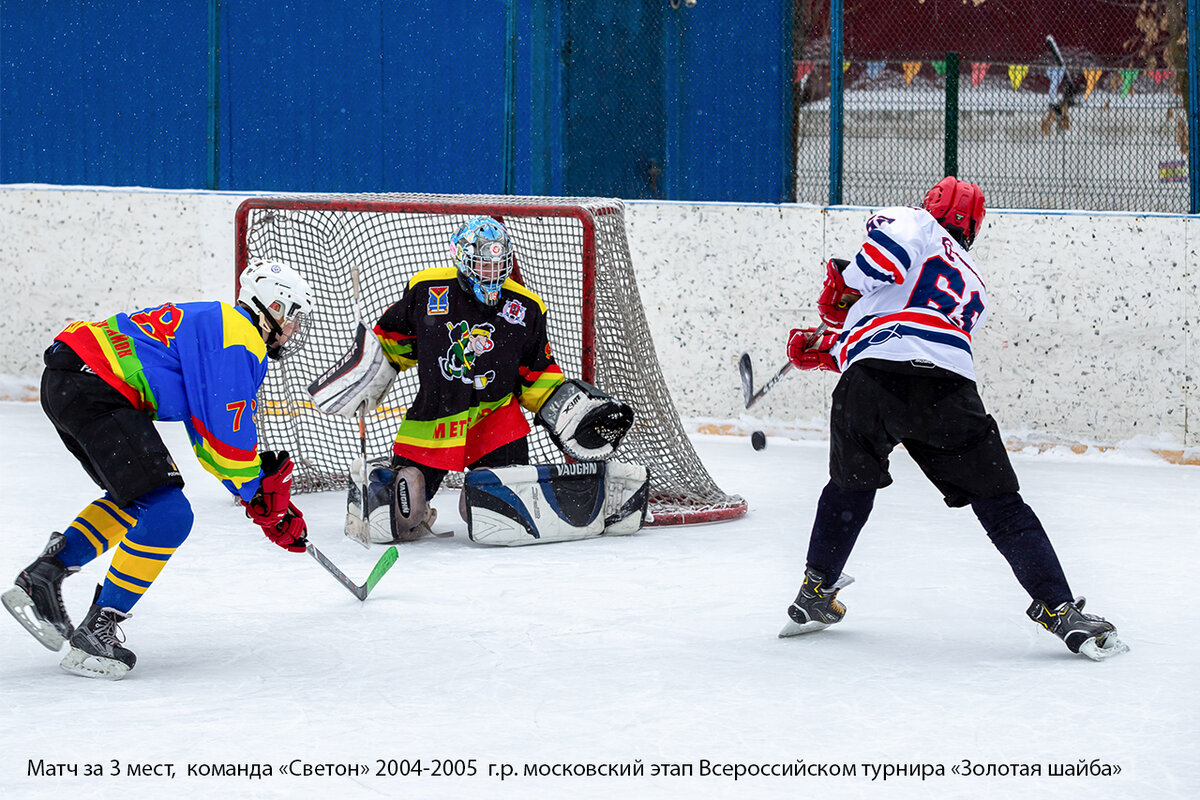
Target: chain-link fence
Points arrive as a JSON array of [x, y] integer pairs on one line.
[[1073, 104]]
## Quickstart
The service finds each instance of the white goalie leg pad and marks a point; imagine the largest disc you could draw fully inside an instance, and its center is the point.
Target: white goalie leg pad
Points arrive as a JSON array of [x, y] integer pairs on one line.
[[626, 498], [361, 377], [372, 524], [522, 505]]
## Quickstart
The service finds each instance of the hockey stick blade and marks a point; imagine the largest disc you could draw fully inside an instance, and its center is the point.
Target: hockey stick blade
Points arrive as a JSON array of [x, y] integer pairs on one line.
[[746, 371], [776, 378], [381, 567]]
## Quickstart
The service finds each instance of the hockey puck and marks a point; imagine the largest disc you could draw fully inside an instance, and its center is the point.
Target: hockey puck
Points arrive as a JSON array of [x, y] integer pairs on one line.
[[758, 440]]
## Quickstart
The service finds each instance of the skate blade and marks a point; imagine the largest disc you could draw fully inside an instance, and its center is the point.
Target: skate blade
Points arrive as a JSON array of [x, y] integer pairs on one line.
[[20, 605], [793, 628], [87, 665], [1110, 646]]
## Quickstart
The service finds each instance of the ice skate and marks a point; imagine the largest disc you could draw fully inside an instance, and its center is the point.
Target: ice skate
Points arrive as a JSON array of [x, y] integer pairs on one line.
[[96, 650], [1086, 634], [816, 606], [36, 597]]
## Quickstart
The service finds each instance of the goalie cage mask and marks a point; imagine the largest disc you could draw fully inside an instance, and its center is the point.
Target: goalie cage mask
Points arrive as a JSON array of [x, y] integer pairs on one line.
[[483, 254]]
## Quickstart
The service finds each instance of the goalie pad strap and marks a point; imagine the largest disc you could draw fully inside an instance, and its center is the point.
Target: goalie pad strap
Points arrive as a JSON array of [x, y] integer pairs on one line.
[[361, 376]]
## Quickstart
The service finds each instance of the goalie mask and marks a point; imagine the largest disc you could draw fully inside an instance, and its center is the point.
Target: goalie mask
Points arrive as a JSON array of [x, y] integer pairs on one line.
[[483, 255], [958, 207], [281, 301]]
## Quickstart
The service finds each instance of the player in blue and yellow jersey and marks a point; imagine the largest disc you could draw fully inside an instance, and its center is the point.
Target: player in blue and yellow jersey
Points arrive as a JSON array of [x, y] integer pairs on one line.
[[104, 385]]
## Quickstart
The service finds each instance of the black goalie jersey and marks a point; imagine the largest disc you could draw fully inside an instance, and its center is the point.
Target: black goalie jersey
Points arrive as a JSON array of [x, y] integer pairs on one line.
[[475, 366]]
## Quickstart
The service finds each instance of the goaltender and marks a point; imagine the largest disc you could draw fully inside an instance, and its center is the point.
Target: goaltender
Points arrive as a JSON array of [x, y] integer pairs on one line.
[[478, 340]]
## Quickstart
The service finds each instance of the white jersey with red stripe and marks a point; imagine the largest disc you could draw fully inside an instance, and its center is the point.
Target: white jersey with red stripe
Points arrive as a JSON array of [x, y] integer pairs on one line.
[[921, 295]]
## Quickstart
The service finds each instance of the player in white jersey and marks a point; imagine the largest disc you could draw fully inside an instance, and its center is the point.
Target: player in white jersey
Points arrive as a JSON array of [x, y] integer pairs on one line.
[[900, 317]]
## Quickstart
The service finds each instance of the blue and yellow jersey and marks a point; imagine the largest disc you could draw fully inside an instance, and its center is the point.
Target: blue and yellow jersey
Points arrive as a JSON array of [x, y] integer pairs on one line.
[[477, 366], [196, 363]]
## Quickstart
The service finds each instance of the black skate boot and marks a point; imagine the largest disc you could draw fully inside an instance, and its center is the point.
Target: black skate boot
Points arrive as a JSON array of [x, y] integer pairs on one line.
[[1087, 634], [96, 650], [816, 606], [36, 597]]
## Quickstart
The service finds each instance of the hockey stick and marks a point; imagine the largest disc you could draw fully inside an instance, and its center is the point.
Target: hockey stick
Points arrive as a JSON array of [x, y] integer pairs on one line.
[[384, 563], [361, 533], [746, 371]]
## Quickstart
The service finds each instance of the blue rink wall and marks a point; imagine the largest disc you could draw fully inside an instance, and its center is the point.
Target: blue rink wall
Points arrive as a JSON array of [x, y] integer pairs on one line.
[[1091, 336], [634, 99]]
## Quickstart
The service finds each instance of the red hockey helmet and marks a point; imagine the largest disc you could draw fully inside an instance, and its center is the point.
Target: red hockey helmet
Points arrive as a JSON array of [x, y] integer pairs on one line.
[[958, 207]]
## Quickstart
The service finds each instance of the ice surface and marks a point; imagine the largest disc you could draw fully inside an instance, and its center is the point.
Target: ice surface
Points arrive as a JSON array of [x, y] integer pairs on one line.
[[658, 648]]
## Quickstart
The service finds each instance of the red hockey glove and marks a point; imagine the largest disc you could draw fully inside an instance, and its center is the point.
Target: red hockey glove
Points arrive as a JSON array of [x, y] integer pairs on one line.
[[291, 532], [836, 297], [807, 351], [274, 495]]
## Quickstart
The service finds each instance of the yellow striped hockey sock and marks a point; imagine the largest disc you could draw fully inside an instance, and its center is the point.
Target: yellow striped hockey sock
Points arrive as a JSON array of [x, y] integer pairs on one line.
[[164, 519], [97, 528]]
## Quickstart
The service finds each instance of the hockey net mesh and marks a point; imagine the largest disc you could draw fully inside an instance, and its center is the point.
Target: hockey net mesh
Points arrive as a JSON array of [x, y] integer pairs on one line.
[[571, 251]]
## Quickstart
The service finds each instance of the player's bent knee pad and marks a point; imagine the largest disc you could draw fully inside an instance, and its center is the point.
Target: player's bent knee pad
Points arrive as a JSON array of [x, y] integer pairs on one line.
[[164, 517], [409, 506], [394, 508], [557, 502]]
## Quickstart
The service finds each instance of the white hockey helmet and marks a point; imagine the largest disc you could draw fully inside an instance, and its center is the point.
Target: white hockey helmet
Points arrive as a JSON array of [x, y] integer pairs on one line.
[[281, 300]]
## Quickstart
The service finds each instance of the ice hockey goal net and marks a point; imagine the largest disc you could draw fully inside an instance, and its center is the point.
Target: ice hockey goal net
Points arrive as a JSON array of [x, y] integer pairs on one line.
[[572, 251]]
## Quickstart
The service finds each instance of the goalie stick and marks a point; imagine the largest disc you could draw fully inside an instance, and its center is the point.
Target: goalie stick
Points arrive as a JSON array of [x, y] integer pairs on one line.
[[384, 563], [746, 371]]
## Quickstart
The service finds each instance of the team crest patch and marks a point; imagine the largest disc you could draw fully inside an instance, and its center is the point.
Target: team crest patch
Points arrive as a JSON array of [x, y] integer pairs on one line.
[[467, 343], [439, 300], [514, 312]]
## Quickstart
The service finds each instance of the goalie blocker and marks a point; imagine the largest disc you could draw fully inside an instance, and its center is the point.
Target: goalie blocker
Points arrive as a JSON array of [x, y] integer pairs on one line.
[[555, 502], [360, 378]]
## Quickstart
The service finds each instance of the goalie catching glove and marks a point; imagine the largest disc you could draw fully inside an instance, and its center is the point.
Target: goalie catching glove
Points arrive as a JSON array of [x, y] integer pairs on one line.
[[584, 422], [359, 378], [271, 507]]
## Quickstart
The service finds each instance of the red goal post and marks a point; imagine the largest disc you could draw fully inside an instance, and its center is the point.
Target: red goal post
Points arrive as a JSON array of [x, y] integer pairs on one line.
[[361, 249]]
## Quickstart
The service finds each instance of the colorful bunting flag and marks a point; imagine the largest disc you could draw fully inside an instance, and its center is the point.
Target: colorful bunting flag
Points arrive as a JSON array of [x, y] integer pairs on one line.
[[978, 71], [802, 70], [1127, 78], [1016, 74], [1160, 75], [875, 69], [911, 68], [1172, 171], [939, 67], [1055, 74], [1092, 76]]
